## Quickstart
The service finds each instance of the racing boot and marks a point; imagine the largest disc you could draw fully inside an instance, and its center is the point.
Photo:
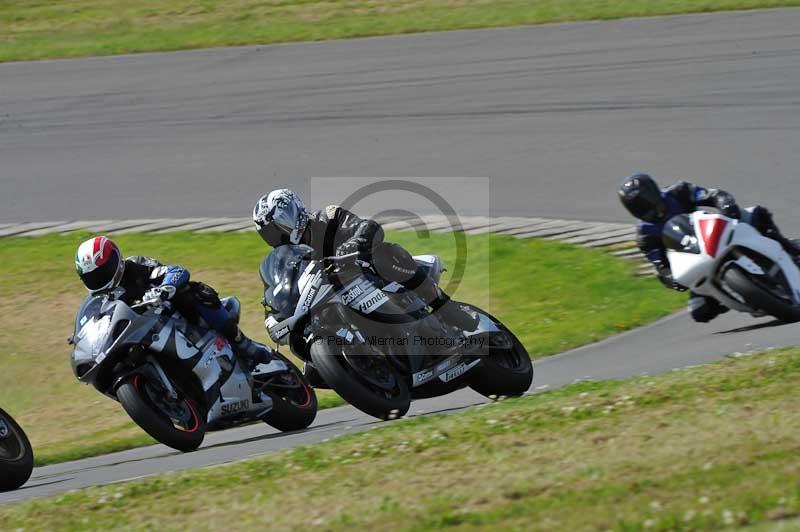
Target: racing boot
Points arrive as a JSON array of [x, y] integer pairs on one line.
[[249, 352], [704, 309], [448, 311]]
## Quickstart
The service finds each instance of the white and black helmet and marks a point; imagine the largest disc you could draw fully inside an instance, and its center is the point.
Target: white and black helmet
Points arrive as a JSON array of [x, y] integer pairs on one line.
[[280, 217]]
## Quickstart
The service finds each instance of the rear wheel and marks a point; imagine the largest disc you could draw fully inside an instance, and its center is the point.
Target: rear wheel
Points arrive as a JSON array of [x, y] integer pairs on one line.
[[760, 297], [372, 386], [16, 454], [177, 423], [294, 403], [507, 370]]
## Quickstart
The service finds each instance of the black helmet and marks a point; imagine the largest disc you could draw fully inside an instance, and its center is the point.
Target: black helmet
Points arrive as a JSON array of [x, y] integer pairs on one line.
[[640, 194]]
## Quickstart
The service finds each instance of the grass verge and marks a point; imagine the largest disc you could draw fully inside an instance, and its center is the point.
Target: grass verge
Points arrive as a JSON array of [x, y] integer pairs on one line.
[[70, 28], [700, 449], [553, 296]]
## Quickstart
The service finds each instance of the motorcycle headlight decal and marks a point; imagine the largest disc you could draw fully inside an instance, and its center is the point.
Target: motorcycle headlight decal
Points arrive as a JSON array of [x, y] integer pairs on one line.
[[95, 332]]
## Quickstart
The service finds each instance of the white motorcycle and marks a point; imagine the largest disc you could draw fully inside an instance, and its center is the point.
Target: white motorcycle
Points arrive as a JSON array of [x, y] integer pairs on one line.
[[732, 262]]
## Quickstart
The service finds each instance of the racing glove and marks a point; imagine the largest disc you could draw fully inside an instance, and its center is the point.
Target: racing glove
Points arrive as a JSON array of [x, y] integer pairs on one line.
[[163, 293], [362, 245], [665, 276]]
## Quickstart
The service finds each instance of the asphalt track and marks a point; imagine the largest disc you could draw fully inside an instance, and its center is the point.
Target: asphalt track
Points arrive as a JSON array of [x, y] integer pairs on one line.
[[674, 342], [552, 114]]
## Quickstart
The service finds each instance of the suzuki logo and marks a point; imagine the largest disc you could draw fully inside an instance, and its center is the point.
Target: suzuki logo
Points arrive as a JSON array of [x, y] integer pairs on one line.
[[235, 408]]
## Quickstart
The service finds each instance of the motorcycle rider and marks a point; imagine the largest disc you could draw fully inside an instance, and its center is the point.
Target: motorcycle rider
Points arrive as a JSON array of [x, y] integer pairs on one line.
[[654, 206], [100, 266], [281, 218]]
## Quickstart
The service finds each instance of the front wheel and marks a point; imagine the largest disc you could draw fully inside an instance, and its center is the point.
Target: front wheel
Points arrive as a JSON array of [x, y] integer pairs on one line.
[[507, 370], [373, 388], [16, 454], [760, 298], [294, 403], [176, 423]]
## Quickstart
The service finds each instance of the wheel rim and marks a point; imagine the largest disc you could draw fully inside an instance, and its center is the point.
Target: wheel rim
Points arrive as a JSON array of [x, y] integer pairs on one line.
[[289, 387], [11, 447], [181, 415], [511, 358], [365, 368]]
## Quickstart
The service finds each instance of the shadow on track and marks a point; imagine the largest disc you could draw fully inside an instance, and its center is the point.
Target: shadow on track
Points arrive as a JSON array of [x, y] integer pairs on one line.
[[754, 327], [33, 484], [276, 435]]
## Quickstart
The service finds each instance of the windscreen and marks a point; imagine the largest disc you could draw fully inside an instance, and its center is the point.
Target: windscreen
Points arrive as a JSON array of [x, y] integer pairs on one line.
[[278, 273], [90, 309], [93, 323], [678, 234]]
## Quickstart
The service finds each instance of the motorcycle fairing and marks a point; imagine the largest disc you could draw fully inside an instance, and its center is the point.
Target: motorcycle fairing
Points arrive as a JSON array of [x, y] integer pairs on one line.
[[711, 231], [692, 270], [485, 325], [106, 326], [103, 326]]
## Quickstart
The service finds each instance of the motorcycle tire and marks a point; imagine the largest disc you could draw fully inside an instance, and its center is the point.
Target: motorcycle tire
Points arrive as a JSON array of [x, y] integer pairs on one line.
[[759, 298], [507, 374], [16, 455], [139, 407], [290, 412], [343, 379]]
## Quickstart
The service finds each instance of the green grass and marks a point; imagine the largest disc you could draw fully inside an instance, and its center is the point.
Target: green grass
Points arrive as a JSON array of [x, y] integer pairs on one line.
[[553, 296], [707, 448], [36, 30]]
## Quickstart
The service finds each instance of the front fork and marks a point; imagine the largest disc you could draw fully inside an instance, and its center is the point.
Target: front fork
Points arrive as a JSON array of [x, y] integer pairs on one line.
[[162, 378], [155, 373]]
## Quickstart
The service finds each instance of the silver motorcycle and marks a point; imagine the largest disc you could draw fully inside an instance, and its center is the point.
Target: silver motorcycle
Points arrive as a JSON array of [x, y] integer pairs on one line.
[[377, 344], [177, 380]]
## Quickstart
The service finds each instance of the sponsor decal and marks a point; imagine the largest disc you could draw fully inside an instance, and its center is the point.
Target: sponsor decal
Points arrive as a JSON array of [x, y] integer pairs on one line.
[[281, 333], [373, 300], [351, 295], [309, 298], [447, 364], [402, 270], [219, 343], [234, 408], [422, 376], [458, 371]]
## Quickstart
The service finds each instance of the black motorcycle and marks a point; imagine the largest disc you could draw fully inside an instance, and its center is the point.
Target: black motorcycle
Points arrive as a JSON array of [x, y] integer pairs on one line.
[[176, 379], [16, 454], [377, 344]]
